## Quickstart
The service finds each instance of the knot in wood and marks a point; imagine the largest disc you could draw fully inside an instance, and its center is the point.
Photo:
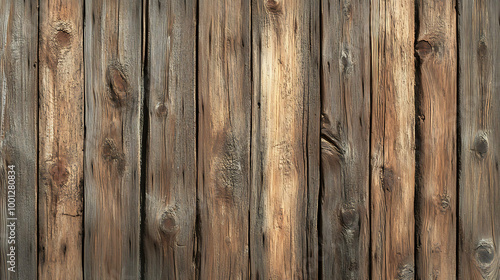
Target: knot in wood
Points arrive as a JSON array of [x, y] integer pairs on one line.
[[423, 48], [118, 85], [168, 224], [59, 172], [481, 145]]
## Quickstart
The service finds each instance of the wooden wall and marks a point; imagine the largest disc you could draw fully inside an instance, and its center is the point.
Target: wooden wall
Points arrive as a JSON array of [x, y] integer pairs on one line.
[[250, 139]]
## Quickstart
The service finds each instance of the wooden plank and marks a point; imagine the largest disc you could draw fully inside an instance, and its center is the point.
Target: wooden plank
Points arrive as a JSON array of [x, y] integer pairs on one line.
[[436, 154], [18, 137], [170, 203], [479, 148], [60, 226], [224, 100], [113, 109], [345, 140], [392, 139], [286, 88]]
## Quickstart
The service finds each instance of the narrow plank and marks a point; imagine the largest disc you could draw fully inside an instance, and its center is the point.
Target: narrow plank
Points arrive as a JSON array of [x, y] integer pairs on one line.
[[170, 203], [60, 140], [224, 100], [345, 140], [286, 89], [479, 148], [18, 137], [113, 109], [392, 139], [436, 153]]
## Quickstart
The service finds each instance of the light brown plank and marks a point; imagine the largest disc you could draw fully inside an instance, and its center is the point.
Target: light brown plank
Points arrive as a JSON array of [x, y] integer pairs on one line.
[[436, 153], [113, 109], [60, 227], [170, 204], [18, 135], [345, 140], [479, 103], [286, 89], [392, 139], [224, 100]]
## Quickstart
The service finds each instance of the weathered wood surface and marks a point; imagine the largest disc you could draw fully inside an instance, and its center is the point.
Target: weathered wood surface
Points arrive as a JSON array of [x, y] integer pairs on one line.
[[251, 139], [436, 142], [113, 112], [18, 134], [170, 204], [345, 140], [479, 146], [392, 139], [224, 106], [60, 207], [285, 85]]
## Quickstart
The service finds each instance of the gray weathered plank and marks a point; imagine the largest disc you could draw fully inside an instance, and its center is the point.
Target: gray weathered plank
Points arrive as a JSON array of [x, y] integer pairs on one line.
[[479, 146], [224, 100], [170, 204], [18, 134], [345, 140], [113, 110], [392, 139], [436, 149], [285, 138], [60, 226]]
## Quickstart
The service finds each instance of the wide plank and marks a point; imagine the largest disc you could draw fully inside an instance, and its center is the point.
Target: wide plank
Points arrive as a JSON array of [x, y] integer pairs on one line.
[[170, 79], [224, 105], [436, 148], [61, 84], [392, 139], [285, 138], [113, 121], [345, 140], [18, 138], [479, 145]]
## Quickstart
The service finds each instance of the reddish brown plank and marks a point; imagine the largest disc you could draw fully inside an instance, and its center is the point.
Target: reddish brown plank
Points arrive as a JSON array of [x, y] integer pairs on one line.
[[392, 139], [60, 227]]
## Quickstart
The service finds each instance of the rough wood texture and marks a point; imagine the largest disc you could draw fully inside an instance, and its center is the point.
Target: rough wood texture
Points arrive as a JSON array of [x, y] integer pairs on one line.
[[436, 111], [345, 140], [479, 103], [285, 84], [224, 100], [392, 139], [60, 226], [170, 203], [18, 133], [113, 109]]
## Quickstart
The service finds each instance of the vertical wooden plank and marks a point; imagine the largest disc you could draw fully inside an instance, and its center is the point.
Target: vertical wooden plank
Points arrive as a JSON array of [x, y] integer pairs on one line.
[[224, 101], [436, 101], [345, 140], [61, 140], [392, 139], [479, 103], [286, 88], [170, 203], [18, 138], [113, 108]]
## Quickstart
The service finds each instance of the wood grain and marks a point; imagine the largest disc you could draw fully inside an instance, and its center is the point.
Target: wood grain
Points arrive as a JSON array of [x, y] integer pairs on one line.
[[436, 154], [345, 140], [224, 100], [285, 83], [113, 120], [170, 205], [479, 103], [18, 134], [392, 139], [61, 140]]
